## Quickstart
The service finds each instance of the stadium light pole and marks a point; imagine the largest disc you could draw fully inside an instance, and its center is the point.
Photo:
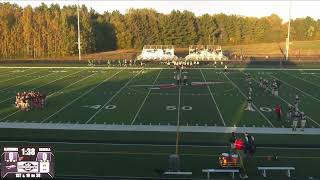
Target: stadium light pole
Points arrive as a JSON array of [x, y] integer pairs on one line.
[[288, 37], [79, 43]]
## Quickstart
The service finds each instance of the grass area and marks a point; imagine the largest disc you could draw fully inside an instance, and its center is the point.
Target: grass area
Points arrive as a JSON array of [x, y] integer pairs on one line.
[[123, 96]]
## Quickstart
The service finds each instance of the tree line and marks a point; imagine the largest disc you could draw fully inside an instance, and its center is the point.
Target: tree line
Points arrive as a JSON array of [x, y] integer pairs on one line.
[[51, 31]]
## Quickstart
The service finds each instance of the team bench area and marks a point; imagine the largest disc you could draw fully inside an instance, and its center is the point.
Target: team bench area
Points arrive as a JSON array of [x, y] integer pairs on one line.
[[232, 171], [265, 169]]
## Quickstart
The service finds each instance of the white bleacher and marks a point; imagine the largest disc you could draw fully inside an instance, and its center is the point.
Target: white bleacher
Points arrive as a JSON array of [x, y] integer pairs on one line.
[[232, 171], [287, 169], [157, 52], [205, 53]]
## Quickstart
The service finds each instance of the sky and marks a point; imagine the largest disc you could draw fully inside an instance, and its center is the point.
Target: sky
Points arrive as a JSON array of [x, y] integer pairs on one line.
[[256, 8]]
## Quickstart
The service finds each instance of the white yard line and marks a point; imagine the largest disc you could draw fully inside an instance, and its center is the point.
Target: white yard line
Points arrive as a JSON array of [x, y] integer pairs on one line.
[[315, 75], [83, 94], [252, 103], [178, 120], [179, 104], [1, 90], [154, 82], [48, 95], [288, 103], [303, 79], [212, 97], [19, 76], [157, 128], [4, 72], [110, 99], [10, 73], [296, 88], [43, 85]]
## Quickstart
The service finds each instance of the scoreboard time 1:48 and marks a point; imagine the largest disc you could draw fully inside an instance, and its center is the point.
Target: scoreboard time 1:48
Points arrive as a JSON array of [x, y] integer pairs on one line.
[[27, 162]]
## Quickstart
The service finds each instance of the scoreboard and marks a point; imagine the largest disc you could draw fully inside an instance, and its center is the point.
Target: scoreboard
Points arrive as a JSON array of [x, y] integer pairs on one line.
[[27, 162]]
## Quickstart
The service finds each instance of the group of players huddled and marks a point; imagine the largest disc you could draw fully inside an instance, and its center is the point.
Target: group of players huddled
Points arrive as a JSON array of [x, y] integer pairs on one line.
[[30, 100], [294, 115]]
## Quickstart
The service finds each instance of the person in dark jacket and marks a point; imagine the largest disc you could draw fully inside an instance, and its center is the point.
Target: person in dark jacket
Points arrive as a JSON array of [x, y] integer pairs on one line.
[[232, 140]]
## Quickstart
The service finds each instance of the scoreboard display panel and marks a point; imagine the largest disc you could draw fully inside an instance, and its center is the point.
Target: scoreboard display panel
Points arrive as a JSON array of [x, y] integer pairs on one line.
[[27, 162]]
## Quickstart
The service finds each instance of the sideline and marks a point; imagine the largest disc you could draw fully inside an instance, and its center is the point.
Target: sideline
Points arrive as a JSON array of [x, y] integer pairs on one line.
[[156, 128]]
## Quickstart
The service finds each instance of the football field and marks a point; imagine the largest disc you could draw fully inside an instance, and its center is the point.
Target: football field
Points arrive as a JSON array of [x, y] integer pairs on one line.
[[133, 96], [143, 109]]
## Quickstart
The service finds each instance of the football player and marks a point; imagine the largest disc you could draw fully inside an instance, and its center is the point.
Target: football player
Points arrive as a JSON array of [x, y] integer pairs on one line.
[[260, 82], [266, 85], [295, 120], [185, 80], [249, 103], [178, 79], [290, 113], [250, 90], [303, 121], [276, 90], [296, 101]]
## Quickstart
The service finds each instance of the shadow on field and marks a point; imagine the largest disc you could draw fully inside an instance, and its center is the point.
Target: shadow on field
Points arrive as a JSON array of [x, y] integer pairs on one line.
[[271, 62]]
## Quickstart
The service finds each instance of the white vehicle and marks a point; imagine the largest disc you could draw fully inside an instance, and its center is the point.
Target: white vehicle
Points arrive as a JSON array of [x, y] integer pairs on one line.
[[205, 53], [157, 52]]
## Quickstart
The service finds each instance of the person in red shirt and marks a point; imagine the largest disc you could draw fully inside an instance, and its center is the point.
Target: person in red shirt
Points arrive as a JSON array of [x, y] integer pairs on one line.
[[278, 112]]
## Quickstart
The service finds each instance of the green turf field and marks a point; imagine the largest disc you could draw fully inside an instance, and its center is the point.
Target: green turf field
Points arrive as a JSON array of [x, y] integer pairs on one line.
[[124, 96]]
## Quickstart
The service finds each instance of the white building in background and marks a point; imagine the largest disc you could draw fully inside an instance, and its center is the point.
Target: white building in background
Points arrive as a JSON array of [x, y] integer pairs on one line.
[[157, 52], [206, 53]]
